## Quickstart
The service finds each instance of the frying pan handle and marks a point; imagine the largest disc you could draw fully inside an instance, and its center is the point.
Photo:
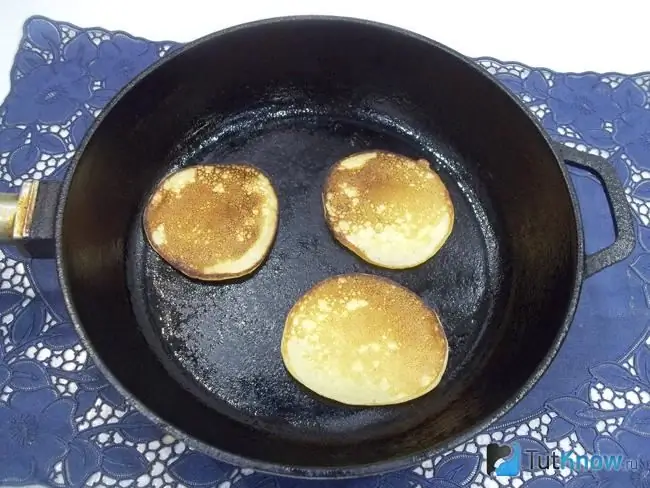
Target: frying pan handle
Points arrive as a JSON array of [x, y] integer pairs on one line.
[[625, 240], [27, 218]]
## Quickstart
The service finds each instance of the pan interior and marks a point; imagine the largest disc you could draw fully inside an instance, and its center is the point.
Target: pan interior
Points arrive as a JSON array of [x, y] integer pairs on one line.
[[221, 341]]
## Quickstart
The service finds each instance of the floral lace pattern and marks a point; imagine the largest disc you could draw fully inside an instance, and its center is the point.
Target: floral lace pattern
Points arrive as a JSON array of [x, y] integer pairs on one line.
[[63, 424]]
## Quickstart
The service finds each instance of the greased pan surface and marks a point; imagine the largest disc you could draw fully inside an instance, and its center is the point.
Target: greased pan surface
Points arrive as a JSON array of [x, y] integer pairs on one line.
[[224, 338], [292, 96]]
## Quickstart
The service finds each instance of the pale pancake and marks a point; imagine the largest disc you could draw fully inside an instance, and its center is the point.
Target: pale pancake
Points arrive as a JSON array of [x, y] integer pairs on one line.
[[364, 340], [390, 210], [213, 222]]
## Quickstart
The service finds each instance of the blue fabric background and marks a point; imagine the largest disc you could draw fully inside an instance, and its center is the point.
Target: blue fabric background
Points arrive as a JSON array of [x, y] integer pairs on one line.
[[62, 424]]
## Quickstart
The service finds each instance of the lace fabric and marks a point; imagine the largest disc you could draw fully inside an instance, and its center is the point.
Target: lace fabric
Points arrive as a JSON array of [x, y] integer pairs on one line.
[[63, 424]]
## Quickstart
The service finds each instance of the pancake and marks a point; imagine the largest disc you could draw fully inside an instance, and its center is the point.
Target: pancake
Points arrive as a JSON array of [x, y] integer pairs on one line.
[[390, 210], [364, 340], [213, 222]]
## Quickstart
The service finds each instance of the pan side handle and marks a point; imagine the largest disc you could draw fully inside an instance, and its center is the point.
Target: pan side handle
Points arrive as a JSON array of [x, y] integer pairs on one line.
[[625, 240], [27, 218]]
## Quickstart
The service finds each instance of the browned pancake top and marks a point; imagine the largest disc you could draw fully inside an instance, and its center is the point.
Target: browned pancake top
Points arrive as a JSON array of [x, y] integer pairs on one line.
[[213, 222], [391, 210]]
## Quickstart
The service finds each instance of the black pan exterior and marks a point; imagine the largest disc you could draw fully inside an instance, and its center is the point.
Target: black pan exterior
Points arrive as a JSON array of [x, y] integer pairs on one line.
[[293, 96]]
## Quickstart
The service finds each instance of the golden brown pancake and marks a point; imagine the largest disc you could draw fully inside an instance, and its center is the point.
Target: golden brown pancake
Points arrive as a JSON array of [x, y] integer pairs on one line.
[[364, 340], [390, 210], [213, 222]]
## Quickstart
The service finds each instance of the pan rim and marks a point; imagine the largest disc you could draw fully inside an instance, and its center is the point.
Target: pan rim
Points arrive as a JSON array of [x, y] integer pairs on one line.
[[320, 472]]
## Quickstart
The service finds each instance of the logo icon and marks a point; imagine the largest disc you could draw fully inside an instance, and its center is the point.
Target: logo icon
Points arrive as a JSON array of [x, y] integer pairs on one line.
[[504, 460]]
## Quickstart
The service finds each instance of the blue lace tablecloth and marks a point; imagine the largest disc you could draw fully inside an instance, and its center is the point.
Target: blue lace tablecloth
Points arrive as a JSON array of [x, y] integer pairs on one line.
[[62, 424]]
